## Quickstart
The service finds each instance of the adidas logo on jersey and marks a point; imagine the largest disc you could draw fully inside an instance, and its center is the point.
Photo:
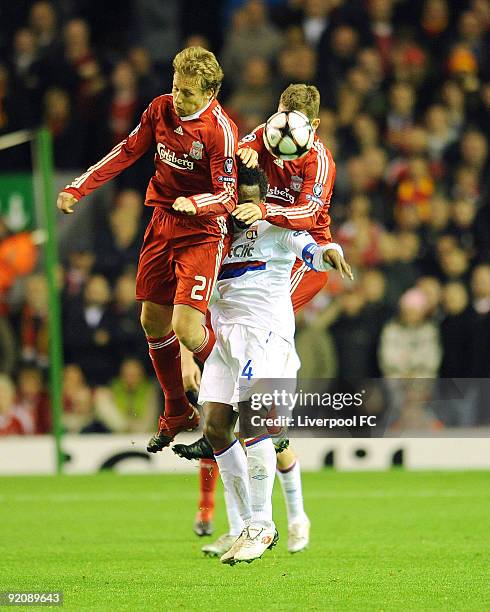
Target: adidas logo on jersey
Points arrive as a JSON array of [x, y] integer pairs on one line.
[[279, 162], [179, 130]]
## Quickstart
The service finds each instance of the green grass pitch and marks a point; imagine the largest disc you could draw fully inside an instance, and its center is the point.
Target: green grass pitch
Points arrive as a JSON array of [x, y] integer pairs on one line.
[[380, 541]]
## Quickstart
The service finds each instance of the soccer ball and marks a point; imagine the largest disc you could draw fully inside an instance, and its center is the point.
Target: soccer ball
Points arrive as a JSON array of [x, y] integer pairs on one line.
[[288, 135]]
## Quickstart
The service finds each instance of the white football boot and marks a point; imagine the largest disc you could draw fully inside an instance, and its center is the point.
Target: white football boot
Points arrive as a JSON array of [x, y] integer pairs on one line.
[[298, 535], [229, 556], [219, 546], [256, 541]]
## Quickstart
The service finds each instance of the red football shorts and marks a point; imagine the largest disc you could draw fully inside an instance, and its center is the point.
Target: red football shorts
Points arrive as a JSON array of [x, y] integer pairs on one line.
[[305, 284], [180, 259]]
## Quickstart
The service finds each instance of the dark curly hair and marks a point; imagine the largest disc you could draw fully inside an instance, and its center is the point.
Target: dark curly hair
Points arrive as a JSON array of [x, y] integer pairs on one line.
[[253, 176]]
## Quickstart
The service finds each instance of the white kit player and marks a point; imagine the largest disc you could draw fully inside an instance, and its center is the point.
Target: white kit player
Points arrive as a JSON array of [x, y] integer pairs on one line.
[[253, 321]]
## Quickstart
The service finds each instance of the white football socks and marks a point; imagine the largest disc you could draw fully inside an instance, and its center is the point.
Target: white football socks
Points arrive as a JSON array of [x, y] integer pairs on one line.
[[232, 463], [235, 522], [293, 495], [262, 462]]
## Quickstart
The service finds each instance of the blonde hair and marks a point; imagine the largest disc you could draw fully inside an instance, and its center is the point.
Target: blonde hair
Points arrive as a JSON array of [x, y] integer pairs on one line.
[[200, 63], [303, 98]]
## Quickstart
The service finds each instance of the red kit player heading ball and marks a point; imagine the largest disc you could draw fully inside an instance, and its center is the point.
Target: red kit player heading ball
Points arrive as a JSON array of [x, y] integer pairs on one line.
[[299, 191], [192, 191]]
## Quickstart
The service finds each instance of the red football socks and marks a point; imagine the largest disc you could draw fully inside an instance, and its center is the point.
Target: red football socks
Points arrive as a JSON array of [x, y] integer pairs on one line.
[[208, 477], [165, 356]]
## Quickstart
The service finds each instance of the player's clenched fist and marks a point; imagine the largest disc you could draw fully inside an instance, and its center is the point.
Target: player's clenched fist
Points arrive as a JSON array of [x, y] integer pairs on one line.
[[248, 157], [66, 202], [184, 205]]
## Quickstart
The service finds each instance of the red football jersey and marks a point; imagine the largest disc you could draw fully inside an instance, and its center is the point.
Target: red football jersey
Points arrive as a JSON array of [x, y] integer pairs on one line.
[[300, 190], [195, 158]]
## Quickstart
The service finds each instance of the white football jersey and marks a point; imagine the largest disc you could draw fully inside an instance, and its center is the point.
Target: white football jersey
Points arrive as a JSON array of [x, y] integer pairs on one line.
[[253, 286]]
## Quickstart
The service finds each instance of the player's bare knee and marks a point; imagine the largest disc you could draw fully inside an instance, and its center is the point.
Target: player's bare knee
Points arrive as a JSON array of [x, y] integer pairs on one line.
[[188, 333], [155, 320], [216, 434], [153, 328]]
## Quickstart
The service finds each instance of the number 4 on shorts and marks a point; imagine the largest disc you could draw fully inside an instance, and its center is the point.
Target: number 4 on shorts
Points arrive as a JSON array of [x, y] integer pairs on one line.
[[247, 370]]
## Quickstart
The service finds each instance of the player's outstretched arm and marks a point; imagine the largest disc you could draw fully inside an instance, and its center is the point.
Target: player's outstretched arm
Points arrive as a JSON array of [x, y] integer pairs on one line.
[[118, 159], [316, 257]]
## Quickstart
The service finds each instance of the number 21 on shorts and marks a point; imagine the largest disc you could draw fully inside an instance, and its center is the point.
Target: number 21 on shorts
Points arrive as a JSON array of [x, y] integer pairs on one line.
[[247, 370], [199, 287]]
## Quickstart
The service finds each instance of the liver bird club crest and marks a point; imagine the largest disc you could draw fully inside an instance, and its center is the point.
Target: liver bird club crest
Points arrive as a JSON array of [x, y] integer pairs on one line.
[[196, 150]]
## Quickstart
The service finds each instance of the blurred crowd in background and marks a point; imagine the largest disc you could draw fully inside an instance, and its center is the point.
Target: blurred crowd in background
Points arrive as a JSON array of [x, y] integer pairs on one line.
[[405, 89]]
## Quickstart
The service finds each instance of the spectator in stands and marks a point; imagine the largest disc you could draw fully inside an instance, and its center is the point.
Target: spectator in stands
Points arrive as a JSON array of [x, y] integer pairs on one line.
[[125, 105], [128, 339], [32, 399], [68, 139], [78, 403], [376, 310], [410, 348], [78, 269], [34, 337], [360, 235], [380, 28], [129, 403], [398, 256], [251, 29], [315, 20], [433, 29], [410, 344], [480, 325], [463, 225], [8, 346], [439, 132], [400, 113], [26, 75], [456, 334], [11, 423], [149, 84], [255, 93], [417, 188], [454, 265], [89, 332], [44, 24], [454, 100], [431, 288], [18, 256], [354, 339], [338, 52], [117, 243], [296, 65]]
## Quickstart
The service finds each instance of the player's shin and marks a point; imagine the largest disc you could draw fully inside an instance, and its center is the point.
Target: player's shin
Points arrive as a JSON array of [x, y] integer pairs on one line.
[[165, 356], [290, 477], [261, 458], [232, 463], [235, 523], [208, 475]]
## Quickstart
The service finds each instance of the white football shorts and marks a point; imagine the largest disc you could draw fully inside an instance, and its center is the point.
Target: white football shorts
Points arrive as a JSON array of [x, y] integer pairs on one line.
[[241, 357]]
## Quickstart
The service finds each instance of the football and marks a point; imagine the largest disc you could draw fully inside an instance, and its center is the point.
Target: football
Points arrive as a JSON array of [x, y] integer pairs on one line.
[[288, 135]]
